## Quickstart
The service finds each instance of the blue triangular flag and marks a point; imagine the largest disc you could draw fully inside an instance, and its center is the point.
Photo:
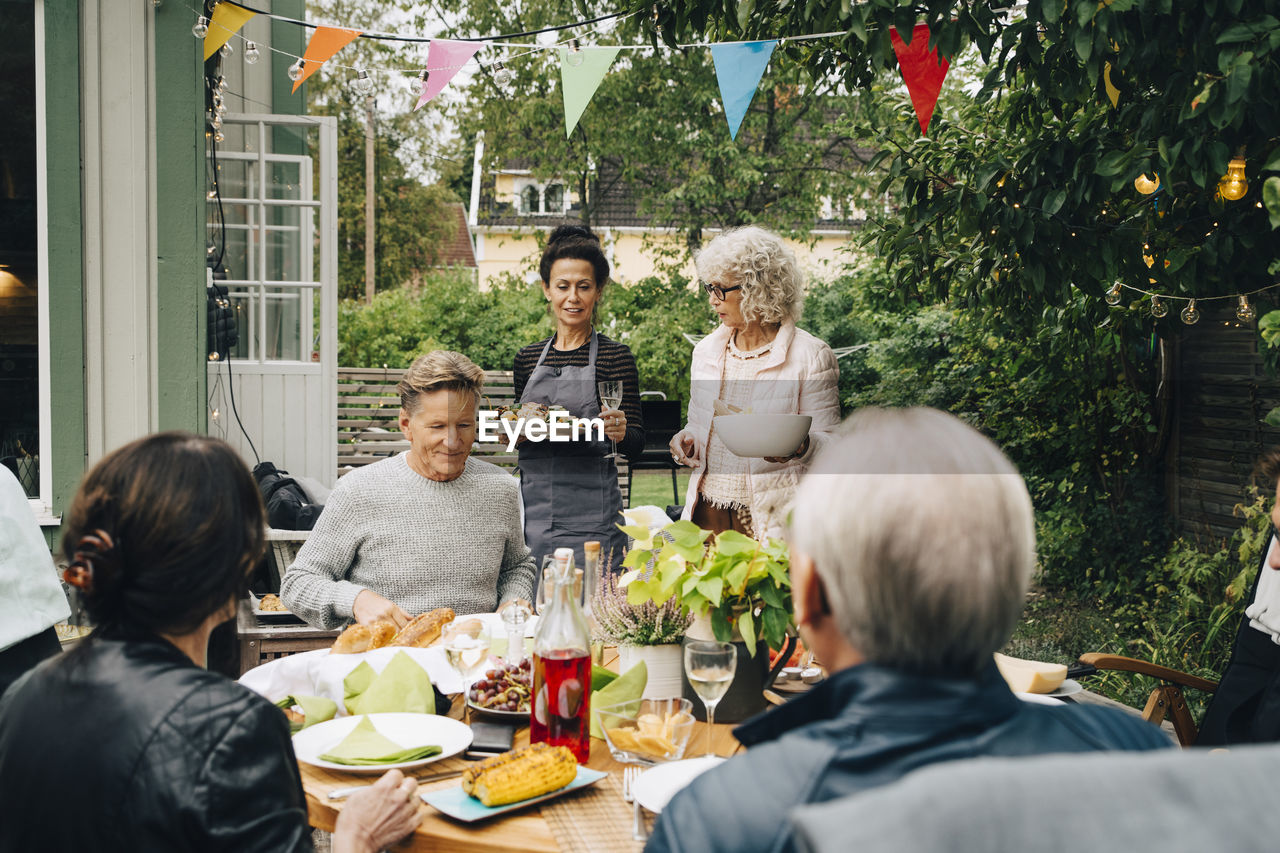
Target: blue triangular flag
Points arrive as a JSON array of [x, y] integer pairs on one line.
[[739, 67]]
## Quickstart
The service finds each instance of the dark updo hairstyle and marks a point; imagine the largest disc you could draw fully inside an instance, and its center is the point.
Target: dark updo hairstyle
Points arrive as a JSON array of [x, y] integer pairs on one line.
[[578, 243], [164, 532]]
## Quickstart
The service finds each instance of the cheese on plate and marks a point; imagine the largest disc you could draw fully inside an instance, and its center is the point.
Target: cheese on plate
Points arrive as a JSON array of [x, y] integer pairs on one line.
[[1029, 676]]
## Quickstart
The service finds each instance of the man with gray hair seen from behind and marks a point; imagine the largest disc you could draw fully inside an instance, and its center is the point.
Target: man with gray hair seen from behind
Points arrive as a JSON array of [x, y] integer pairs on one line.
[[428, 528], [912, 544]]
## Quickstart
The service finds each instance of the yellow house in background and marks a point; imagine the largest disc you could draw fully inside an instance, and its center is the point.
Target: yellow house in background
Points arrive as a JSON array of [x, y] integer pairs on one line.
[[512, 210]]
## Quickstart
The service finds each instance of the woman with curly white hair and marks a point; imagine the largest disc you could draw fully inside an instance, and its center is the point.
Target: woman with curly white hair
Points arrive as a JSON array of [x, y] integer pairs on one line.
[[757, 361]]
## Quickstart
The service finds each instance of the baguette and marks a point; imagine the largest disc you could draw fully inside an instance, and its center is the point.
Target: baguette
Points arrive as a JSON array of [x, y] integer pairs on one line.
[[424, 629], [361, 638]]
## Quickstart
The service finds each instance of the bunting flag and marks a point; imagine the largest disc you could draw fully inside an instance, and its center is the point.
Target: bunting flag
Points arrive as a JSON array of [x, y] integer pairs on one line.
[[579, 82], [226, 21], [1113, 94], [444, 59], [323, 45], [739, 67], [922, 69]]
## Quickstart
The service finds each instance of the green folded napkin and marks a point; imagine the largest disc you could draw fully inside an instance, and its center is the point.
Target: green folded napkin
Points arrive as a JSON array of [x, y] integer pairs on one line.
[[315, 709], [601, 677], [402, 685], [627, 687], [366, 747]]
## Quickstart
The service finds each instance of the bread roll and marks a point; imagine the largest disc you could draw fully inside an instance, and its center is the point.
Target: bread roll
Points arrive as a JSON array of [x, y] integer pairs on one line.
[[361, 638], [423, 630]]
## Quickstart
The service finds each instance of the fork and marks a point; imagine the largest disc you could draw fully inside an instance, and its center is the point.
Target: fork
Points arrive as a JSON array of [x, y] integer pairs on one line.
[[629, 776]]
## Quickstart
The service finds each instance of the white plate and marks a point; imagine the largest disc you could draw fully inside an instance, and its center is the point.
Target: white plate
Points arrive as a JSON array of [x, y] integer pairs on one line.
[[657, 785], [1039, 699], [407, 730], [276, 615], [1068, 688]]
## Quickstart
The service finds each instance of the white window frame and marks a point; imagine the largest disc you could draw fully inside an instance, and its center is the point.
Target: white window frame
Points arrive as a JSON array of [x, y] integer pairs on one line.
[[42, 506]]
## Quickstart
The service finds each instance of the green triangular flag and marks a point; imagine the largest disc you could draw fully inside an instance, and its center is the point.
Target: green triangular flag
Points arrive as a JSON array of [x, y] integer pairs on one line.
[[402, 685], [580, 78], [365, 746], [627, 687]]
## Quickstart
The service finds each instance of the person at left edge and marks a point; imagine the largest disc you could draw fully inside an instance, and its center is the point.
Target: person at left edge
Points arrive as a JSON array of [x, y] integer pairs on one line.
[[570, 489]]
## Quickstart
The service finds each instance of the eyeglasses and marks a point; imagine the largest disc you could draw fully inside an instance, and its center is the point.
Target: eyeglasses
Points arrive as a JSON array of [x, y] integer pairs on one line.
[[717, 291]]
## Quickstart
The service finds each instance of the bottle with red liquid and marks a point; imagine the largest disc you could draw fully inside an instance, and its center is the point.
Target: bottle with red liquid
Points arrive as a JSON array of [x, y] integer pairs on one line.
[[562, 667]]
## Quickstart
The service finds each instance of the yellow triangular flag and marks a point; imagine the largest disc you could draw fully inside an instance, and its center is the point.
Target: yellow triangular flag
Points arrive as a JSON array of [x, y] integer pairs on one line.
[[323, 45], [227, 20], [1112, 92]]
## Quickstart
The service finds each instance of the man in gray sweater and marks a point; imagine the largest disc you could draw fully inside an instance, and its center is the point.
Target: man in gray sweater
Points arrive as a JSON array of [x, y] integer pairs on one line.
[[428, 528]]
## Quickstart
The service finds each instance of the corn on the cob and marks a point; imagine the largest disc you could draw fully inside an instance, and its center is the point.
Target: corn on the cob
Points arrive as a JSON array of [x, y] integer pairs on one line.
[[530, 771]]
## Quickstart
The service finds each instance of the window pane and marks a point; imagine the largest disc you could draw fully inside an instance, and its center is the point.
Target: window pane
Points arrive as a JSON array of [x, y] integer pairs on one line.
[[19, 280], [286, 315], [555, 198], [529, 202]]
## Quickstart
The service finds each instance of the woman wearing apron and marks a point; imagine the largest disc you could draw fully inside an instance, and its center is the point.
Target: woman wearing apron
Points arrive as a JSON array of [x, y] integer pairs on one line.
[[570, 489]]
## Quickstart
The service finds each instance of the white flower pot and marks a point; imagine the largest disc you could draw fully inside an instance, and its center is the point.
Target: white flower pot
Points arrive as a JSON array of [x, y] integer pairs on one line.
[[664, 663]]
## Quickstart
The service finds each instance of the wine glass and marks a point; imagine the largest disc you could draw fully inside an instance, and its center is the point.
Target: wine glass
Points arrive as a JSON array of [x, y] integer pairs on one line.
[[466, 645], [610, 398], [710, 667]]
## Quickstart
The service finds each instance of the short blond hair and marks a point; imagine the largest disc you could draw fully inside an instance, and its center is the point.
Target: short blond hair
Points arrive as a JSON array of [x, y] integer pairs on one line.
[[923, 534], [439, 370], [757, 259]]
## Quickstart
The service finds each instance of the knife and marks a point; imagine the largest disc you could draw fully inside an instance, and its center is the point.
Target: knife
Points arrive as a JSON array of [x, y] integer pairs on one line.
[[343, 793]]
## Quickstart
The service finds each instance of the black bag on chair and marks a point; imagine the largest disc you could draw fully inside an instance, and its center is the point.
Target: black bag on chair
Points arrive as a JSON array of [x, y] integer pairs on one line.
[[287, 505]]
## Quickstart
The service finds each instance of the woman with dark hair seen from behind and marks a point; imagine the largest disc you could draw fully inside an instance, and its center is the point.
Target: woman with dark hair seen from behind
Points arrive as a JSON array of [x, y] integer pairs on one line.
[[127, 742], [564, 370]]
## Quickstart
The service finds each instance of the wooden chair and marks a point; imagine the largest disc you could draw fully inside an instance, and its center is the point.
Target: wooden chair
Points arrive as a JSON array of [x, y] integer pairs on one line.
[[1165, 700]]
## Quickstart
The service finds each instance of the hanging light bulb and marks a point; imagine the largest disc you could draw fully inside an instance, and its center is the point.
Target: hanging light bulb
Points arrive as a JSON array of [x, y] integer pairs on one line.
[[1113, 295], [1158, 308], [1244, 311], [222, 86], [296, 69], [211, 195], [201, 27], [217, 101], [216, 121], [1191, 314], [576, 56], [417, 82], [363, 83], [251, 53], [1233, 185], [227, 49], [219, 137], [1146, 185], [501, 74], [1148, 258]]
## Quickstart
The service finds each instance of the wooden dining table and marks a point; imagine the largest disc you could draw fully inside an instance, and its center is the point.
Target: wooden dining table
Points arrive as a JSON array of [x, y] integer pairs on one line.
[[523, 829]]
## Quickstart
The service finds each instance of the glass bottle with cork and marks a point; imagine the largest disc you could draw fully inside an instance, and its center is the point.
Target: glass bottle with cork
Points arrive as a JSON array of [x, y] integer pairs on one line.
[[562, 666]]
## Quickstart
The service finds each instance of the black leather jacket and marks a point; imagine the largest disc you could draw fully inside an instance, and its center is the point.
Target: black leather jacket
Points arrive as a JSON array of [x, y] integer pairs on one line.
[[124, 744], [867, 726]]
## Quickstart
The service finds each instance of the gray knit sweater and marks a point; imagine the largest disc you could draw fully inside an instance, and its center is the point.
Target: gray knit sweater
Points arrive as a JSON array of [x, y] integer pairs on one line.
[[420, 543]]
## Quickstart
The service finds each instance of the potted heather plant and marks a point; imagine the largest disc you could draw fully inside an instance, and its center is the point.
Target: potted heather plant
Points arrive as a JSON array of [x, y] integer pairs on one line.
[[646, 632]]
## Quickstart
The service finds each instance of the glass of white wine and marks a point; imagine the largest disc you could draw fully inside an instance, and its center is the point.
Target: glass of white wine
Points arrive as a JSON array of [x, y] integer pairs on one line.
[[610, 398], [466, 645], [710, 667]]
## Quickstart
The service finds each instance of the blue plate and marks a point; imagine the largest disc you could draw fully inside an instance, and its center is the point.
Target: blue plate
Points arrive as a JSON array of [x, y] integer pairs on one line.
[[464, 807]]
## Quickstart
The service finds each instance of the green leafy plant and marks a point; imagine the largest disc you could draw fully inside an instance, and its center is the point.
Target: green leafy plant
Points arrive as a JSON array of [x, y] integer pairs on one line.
[[735, 580]]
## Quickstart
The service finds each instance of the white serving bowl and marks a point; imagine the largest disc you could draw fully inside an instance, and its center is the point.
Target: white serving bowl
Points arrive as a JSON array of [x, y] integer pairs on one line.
[[762, 435]]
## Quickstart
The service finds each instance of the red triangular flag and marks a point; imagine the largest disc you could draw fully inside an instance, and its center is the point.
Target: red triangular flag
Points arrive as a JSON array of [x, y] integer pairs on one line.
[[323, 45], [922, 69]]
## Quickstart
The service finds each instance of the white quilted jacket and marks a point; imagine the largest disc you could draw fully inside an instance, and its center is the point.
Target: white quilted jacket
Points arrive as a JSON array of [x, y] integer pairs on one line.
[[799, 375]]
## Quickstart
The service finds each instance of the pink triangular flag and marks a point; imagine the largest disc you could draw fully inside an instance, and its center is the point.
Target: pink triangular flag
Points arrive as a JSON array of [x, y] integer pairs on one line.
[[325, 42], [922, 69], [445, 58]]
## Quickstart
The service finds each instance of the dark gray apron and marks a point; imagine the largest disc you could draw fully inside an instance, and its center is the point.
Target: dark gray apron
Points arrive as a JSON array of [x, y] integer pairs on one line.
[[570, 490]]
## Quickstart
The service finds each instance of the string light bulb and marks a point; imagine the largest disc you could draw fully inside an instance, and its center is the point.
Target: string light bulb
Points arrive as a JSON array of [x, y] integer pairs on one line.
[[219, 137], [296, 70], [201, 27], [501, 74], [227, 49], [363, 83], [576, 56], [417, 82], [1113, 295], [1233, 186], [251, 53], [1191, 314], [1158, 308], [1244, 311], [1146, 185]]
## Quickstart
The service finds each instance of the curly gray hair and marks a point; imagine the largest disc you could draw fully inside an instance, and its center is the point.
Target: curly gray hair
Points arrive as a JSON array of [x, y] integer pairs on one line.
[[757, 259]]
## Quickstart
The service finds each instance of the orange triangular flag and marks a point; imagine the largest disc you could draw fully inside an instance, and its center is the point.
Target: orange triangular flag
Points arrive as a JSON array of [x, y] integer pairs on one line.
[[922, 69], [323, 45], [227, 20]]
